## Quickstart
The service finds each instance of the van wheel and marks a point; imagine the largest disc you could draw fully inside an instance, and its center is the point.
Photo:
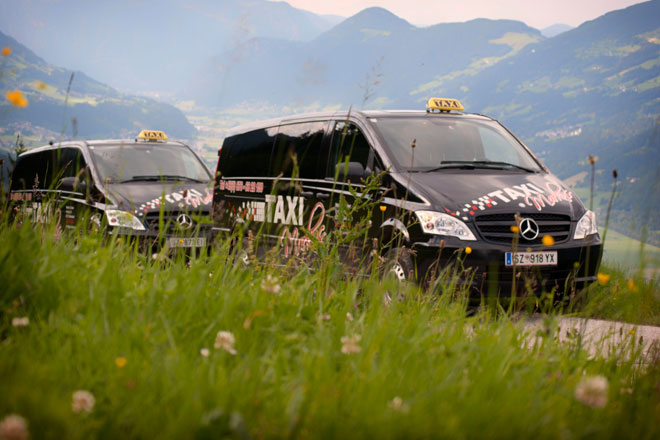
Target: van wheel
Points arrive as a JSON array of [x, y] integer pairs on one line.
[[399, 264]]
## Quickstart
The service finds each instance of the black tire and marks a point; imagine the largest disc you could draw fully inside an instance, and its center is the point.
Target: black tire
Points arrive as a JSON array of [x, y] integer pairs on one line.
[[399, 263]]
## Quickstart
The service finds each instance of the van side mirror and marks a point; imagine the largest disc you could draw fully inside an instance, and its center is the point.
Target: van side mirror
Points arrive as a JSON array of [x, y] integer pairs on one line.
[[353, 172], [73, 184]]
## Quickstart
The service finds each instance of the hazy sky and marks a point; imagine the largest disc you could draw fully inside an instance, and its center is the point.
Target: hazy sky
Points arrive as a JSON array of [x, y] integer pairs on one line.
[[535, 13]]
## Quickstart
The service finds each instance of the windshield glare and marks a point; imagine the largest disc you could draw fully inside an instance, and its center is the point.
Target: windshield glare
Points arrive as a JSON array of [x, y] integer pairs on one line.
[[442, 140], [124, 162]]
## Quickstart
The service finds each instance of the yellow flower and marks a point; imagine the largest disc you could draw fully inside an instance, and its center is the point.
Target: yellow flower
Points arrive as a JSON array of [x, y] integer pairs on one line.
[[40, 85], [603, 278], [6, 51], [468, 250], [515, 229], [548, 240], [632, 331], [16, 98], [383, 208], [632, 286], [120, 362]]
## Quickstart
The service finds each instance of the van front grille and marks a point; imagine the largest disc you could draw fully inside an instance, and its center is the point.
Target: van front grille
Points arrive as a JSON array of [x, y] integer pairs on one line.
[[496, 228]]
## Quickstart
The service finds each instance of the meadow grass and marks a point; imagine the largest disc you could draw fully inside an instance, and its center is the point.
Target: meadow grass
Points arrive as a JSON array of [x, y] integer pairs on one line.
[[317, 354]]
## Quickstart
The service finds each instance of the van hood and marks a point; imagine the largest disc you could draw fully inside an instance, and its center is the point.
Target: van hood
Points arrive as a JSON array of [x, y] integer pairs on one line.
[[469, 194], [143, 197]]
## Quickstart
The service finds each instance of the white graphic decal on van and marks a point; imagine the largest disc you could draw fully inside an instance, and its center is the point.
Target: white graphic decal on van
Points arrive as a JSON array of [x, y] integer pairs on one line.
[[294, 241], [184, 197], [527, 195], [240, 186]]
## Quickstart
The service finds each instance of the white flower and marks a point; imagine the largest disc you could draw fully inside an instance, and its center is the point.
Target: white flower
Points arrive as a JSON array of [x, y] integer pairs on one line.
[[14, 427], [350, 344], [349, 317], [397, 404], [225, 340], [82, 401], [204, 352], [20, 322], [269, 285], [592, 391], [325, 317]]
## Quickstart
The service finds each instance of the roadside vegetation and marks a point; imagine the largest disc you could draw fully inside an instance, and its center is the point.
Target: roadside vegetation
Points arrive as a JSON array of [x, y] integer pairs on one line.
[[99, 340]]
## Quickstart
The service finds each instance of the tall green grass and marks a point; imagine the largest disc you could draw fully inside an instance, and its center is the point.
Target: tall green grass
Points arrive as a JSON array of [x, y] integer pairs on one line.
[[131, 328]]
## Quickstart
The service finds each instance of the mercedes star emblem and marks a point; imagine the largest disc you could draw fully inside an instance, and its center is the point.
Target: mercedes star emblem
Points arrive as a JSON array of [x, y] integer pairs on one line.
[[529, 229], [186, 222]]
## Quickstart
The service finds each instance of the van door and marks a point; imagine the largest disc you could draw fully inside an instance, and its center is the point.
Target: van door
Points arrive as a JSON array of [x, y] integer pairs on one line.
[[295, 208], [244, 182], [75, 189], [350, 159]]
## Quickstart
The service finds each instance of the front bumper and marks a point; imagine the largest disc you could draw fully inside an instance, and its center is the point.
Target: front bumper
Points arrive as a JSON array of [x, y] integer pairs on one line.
[[483, 269]]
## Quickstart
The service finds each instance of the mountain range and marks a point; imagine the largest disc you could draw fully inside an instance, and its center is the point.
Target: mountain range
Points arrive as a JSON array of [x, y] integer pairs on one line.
[[65, 104]]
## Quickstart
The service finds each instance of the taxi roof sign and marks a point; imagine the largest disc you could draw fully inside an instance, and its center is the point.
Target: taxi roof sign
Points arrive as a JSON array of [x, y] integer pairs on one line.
[[152, 135], [443, 105]]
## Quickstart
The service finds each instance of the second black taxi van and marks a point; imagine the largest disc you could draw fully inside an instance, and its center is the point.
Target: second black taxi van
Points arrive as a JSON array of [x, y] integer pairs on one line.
[[454, 188], [149, 188]]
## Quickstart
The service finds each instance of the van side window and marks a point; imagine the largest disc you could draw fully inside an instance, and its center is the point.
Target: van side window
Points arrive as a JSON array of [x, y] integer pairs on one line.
[[348, 144], [302, 141], [72, 162], [34, 171], [249, 153]]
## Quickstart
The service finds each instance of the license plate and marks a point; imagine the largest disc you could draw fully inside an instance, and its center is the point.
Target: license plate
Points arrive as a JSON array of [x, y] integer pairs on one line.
[[541, 258], [188, 242]]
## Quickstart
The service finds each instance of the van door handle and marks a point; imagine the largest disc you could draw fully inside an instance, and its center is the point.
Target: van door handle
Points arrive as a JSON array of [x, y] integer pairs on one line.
[[322, 195], [307, 194]]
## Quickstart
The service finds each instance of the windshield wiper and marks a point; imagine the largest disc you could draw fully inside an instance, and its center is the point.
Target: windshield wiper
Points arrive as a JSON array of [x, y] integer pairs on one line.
[[159, 178], [472, 164]]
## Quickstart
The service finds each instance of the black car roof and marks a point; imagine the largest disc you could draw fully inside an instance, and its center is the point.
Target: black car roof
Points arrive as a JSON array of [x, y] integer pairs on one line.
[[360, 115]]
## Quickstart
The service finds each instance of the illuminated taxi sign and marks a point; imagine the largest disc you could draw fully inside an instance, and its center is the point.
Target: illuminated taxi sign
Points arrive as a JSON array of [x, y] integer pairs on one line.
[[152, 135], [443, 105]]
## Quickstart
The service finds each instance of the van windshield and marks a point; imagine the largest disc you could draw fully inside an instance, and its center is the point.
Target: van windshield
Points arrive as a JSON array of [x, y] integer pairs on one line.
[[147, 162], [446, 142]]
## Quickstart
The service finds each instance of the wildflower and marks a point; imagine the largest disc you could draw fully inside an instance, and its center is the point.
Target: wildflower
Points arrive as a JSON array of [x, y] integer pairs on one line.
[[6, 51], [82, 401], [350, 345], [632, 331], [269, 285], [225, 340], [468, 250], [349, 317], [383, 208], [120, 362], [16, 98], [325, 317], [40, 85], [204, 352], [548, 240], [592, 391], [20, 322], [14, 427], [603, 278], [631, 286], [397, 404], [592, 160], [515, 229]]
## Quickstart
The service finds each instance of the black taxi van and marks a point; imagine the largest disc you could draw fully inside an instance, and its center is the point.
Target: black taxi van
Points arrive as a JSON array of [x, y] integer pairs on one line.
[[150, 188], [455, 188]]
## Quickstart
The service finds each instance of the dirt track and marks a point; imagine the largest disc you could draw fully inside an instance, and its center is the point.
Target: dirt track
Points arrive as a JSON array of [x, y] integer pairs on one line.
[[609, 338]]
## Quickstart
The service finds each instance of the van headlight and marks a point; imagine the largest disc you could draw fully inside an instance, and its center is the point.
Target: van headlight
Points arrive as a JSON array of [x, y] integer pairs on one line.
[[438, 223], [123, 219], [586, 226]]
